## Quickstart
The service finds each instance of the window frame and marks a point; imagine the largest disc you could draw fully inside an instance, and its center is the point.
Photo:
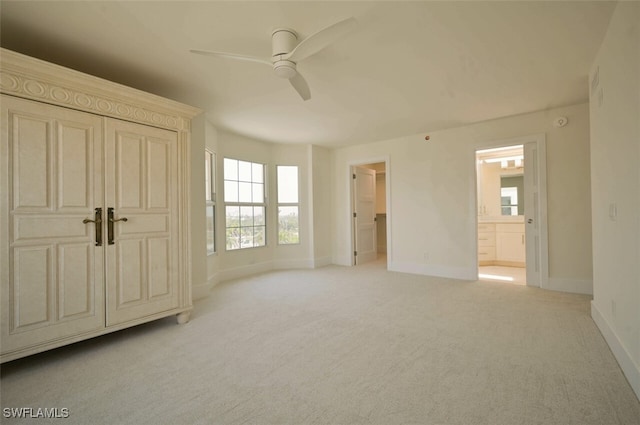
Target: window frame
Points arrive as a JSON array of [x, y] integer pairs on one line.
[[288, 204], [244, 204], [210, 199]]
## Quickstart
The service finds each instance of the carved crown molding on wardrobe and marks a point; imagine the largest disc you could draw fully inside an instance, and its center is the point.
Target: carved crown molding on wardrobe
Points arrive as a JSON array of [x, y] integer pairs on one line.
[[31, 78]]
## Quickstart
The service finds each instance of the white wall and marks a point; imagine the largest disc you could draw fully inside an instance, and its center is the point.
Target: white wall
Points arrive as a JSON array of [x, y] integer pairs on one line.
[[321, 205], [198, 237], [489, 199], [204, 267], [615, 183], [433, 189]]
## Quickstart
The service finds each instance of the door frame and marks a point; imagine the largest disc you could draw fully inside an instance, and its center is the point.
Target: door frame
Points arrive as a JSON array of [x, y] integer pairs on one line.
[[387, 183], [541, 217]]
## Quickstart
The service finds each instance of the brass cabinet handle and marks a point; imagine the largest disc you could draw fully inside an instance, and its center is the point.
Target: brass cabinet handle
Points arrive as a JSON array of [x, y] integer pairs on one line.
[[98, 222], [111, 220]]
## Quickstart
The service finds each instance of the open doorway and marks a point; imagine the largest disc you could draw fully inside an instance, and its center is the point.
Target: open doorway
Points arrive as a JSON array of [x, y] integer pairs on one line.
[[369, 213], [511, 199], [501, 203]]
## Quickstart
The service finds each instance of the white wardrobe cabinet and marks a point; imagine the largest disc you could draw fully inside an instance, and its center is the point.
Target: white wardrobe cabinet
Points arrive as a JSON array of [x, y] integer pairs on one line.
[[94, 207]]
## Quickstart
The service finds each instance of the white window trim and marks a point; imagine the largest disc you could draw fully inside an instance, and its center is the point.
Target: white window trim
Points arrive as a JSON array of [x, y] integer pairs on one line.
[[262, 204], [287, 204], [210, 195]]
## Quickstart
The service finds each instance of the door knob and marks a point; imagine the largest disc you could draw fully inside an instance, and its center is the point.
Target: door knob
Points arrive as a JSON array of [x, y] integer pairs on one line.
[[98, 222], [111, 220], [530, 221]]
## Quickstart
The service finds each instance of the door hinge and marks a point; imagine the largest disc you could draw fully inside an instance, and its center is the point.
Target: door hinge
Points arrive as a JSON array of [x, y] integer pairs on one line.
[[355, 253], [375, 218], [354, 176], [354, 215]]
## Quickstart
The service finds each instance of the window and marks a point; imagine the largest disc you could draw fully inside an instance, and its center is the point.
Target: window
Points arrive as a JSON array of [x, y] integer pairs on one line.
[[210, 197], [244, 197], [509, 200], [288, 208]]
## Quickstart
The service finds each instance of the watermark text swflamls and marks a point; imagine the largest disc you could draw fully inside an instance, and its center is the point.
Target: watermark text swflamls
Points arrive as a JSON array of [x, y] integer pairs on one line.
[[36, 412]]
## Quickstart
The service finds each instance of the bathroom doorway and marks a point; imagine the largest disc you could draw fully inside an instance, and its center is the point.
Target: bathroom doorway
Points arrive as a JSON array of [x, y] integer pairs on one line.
[[501, 230], [511, 214], [500, 206]]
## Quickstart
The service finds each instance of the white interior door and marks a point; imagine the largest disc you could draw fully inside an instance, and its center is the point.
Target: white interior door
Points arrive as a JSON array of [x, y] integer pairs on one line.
[[533, 215], [142, 253], [52, 268], [364, 207]]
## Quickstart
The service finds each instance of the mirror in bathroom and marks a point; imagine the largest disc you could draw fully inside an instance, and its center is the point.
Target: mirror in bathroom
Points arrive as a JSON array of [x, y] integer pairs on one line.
[[512, 194]]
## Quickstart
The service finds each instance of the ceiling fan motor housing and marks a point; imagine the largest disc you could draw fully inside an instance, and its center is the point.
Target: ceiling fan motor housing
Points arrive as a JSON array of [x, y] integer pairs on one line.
[[283, 40], [285, 69]]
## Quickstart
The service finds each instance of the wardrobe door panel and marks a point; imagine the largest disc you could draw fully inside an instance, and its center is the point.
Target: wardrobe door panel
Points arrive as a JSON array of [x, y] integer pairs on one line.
[[142, 186], [52, 270]]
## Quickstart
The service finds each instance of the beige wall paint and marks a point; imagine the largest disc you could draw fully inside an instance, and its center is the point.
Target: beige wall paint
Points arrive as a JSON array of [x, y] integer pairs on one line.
[[615, 181], [322, 204], [198, 237], [433, 189], [490, 196], [204, 267]]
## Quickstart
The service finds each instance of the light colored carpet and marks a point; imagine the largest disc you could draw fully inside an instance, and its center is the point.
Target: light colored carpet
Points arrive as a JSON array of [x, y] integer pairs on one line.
[[513, 275], [340, 345]]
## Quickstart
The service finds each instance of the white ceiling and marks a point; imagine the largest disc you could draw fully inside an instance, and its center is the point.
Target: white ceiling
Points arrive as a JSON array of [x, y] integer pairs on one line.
[[410, 67]]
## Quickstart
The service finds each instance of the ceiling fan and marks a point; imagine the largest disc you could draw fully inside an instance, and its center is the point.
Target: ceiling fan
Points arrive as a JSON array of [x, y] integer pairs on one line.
[[287, 52]]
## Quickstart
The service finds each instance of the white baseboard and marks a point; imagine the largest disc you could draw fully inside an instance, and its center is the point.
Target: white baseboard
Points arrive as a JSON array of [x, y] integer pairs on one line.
[[243, 271], [576, 286], [342, 261], [200, 291], [292, 264], [203, 290], [463, 273], [628, 366], [265, 266], [321, 262]]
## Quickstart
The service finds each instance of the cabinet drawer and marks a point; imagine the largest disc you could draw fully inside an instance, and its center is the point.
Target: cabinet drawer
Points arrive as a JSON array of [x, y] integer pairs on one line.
[[510, 227], [486, 253], [486, 227], [486, 239]]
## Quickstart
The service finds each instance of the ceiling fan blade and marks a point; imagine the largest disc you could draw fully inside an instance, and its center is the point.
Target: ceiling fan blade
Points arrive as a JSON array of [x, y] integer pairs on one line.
[[301, 86], [318, 41], [232, 56]]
